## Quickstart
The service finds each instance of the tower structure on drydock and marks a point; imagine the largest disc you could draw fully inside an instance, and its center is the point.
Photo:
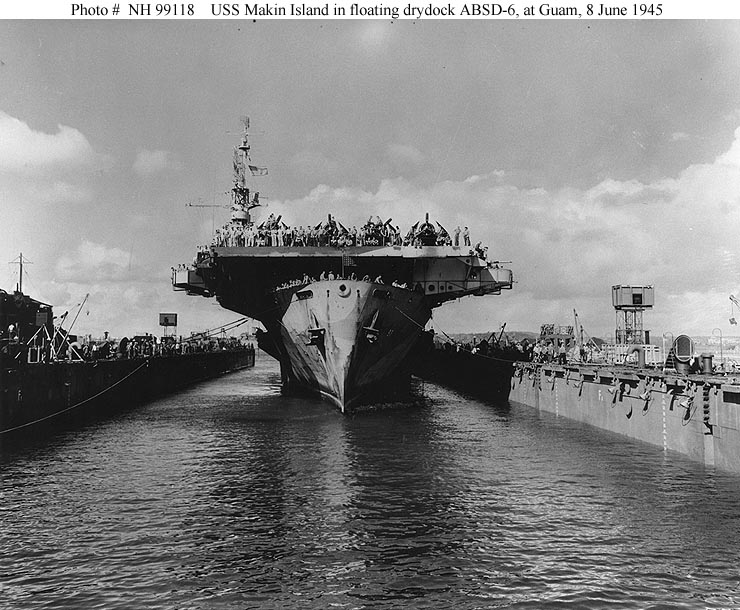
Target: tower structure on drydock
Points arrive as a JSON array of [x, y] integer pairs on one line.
[[341, 312]]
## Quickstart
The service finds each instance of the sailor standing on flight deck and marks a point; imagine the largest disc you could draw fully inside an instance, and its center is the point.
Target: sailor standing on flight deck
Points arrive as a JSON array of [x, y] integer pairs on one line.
[[466, 237], [456, 232]]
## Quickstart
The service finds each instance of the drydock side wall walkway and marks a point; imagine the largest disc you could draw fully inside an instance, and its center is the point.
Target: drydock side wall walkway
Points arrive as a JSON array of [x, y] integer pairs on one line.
[[696, 415]]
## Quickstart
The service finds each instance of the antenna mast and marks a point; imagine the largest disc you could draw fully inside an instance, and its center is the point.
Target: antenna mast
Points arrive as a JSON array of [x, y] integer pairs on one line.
[[19, 261], [241, 163], [242, 199]]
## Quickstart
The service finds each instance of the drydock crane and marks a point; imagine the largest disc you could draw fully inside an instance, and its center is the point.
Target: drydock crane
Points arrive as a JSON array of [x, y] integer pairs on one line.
[[734, 301]]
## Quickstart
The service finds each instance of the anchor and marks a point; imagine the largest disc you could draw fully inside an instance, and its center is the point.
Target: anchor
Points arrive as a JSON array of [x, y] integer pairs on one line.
[[316, 337], [372, 333]]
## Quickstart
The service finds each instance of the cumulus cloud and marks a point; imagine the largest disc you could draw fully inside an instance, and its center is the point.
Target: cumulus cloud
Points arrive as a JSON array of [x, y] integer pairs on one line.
[[496, 176], [123, 297], [150, 162], [566, 247], [92, 263], [129, 308], [626, 193], [23, 149], [569, 246], [732, 156]]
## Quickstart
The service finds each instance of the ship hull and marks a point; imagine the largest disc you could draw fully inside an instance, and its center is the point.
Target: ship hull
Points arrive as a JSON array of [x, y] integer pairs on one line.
[[341, 338], [347, 340]]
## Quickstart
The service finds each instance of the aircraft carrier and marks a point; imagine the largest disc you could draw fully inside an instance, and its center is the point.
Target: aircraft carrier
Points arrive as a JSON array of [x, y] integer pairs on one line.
[[342, 309]]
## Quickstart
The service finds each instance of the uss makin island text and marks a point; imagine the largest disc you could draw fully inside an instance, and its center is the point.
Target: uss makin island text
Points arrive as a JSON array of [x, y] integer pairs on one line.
[[468, 9]]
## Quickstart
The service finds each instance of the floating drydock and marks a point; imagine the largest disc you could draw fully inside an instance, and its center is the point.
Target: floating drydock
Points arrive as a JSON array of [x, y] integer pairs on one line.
[[471, 373], [37, 388], [678, 401], [697, 415], [34, 394]]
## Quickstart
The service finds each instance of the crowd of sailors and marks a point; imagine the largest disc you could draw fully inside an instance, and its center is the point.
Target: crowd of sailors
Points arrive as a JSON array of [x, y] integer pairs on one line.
[[148, 345], [274, 232], [553, 351], [107, 348], [542, 351], [330, 275]]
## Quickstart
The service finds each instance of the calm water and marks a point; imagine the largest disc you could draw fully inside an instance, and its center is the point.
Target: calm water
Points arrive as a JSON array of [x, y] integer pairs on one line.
[[229, 495]]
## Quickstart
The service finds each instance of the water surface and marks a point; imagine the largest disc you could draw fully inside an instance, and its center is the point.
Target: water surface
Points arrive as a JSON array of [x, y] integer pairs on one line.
[[229, 495]]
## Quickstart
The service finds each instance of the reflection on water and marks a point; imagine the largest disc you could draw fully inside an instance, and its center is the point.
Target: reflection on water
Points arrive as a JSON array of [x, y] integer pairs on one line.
[[230, 495]]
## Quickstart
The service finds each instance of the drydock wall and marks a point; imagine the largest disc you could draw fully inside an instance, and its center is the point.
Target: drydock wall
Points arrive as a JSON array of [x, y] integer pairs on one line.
[[35, 392], [696, 415]]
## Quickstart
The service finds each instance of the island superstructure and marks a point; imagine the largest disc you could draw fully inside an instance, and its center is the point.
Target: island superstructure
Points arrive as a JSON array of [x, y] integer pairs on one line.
[[342, 308]]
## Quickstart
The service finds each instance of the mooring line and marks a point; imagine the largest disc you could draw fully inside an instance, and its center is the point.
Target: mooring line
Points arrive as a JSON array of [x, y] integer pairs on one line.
[[32, 423]]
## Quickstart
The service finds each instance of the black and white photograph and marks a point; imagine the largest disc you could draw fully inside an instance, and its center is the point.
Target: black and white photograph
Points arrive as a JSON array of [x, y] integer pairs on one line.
[[369, 306]]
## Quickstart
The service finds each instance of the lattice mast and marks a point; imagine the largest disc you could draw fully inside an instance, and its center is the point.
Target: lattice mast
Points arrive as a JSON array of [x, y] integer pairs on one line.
[[242, 199]]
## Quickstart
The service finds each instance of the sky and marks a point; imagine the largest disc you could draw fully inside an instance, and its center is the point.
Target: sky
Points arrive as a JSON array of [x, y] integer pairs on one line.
[[586, 153]]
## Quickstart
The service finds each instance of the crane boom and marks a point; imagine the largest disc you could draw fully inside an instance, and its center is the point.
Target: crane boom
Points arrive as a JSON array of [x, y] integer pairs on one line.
[[734, 302]]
